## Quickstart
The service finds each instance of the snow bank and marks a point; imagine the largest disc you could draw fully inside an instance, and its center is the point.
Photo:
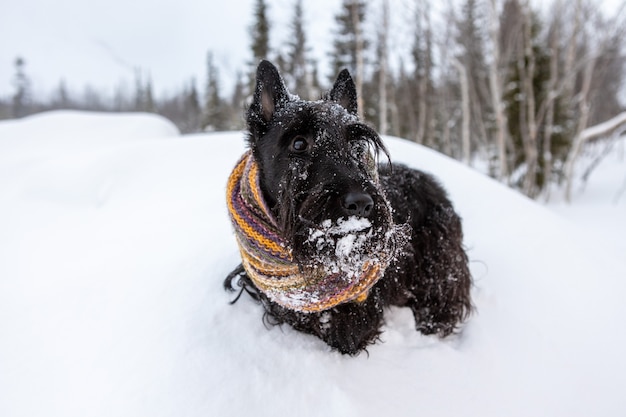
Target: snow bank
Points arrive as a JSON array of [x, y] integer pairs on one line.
[[69, 132], [112, 257], [84, 126]]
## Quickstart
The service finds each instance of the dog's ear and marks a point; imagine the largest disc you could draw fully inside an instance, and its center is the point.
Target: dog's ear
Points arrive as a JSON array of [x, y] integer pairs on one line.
[[344, 92], [270, 93]]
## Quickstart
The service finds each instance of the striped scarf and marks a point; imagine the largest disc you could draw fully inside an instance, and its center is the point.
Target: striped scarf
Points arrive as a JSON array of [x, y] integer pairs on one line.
[[267, 257]]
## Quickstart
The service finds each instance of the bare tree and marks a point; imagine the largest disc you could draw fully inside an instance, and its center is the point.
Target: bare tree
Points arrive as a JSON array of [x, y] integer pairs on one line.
[[423, 74], [570, 55], [591, 65], [615, 125], [528, 124], [549, 104], [465, 130], [359, 49], [383, 53], [471, 36], [495, 84]]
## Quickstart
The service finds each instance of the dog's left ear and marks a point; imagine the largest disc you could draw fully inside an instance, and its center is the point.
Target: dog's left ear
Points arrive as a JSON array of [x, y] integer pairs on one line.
[[344, 92], [270, 92]]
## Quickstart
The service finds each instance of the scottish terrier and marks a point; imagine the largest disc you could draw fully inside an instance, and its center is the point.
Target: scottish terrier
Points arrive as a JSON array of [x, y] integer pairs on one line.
[[328, 236]]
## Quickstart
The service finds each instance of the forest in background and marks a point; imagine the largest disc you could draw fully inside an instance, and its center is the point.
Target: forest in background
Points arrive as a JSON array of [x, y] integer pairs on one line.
[[497, 81]]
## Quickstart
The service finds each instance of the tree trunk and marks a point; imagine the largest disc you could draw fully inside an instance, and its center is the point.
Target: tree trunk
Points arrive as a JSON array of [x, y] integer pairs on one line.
[[528, 75], [358, 34], [465, 130], [570, 56], [495, 85], [382, 74], [583, 119], [554, 68]]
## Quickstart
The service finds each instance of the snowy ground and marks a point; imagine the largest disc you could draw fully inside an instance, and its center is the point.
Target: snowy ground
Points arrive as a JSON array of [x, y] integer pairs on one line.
[[114, 241], [598, 205]]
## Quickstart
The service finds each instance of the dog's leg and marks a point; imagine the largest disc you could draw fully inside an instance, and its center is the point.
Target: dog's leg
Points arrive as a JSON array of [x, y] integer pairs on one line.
[[351, 327], [348, 328], [432, 277], [442, 299]]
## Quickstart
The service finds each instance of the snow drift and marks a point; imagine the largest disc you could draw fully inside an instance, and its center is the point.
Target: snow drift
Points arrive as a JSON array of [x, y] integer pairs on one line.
[[115, 241]]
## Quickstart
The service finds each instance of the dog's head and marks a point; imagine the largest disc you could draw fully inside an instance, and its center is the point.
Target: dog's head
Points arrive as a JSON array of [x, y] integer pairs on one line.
[[318, 172]]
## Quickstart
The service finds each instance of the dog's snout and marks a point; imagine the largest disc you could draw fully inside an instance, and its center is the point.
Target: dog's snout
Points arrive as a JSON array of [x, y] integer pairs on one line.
[[357, 204]]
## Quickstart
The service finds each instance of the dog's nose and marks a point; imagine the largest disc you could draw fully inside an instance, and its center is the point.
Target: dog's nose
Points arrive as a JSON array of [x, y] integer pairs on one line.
[[357, 204]]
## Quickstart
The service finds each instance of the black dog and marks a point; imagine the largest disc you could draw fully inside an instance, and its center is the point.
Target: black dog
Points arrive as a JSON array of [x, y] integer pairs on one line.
[[316, 175]]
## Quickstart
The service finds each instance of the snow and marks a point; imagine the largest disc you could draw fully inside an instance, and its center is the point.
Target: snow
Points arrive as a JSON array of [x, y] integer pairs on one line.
[[599, 205], [345, 246], [115, 241]]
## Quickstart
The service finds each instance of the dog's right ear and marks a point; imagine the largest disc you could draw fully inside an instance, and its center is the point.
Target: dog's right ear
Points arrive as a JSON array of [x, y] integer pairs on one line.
[[270, 94]]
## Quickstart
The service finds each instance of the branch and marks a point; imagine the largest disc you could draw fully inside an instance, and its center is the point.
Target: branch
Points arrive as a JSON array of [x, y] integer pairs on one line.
[[607, 128], [603, 129]]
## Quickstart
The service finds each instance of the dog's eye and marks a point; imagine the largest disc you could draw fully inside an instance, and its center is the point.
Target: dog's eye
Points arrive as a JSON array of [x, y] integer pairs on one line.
[[299, 144]]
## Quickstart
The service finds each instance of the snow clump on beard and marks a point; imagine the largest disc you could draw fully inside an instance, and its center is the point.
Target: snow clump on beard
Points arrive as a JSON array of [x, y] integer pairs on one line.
[[346, 246]]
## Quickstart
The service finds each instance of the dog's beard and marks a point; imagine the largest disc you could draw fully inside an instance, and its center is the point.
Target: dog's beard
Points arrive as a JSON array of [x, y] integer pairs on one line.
[[345, 247], [324, 240]]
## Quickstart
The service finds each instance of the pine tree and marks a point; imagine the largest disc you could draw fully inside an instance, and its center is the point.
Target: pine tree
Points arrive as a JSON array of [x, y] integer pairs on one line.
[[144, 97], [149, 103], [297, 74], [471, 38], [350, 44], [316, 86], [406, 125], [122, 98], [237, 103], [260, 34], [191, 108], [6, 111], [213, 112], [22, 96], [344, 53], [140, 93], [61, 98]]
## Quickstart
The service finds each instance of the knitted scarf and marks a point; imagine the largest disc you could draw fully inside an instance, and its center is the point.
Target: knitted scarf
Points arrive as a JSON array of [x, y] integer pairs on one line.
[[267, 257]]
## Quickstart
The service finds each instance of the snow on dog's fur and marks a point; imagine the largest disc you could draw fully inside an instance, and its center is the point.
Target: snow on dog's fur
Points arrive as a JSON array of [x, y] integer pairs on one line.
[[337, 213]]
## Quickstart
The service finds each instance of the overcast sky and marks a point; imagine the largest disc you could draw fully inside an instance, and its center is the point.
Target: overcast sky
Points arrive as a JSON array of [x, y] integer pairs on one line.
[[101, 42]]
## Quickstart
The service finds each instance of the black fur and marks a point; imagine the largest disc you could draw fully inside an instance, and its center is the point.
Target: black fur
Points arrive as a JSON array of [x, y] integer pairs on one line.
[[306, 155]]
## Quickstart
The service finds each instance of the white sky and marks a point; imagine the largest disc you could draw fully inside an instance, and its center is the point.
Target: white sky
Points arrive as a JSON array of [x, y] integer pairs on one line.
[[101, 43]]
